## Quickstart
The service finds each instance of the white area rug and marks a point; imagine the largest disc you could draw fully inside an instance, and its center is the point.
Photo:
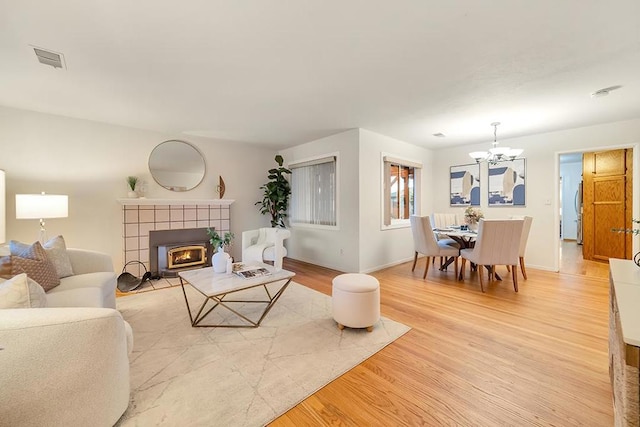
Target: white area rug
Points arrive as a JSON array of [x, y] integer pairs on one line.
[[237, 377]]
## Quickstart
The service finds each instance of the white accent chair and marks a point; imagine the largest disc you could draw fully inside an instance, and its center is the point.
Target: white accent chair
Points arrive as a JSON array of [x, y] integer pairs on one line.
[[424, 242], [498, 243], [265, 244]]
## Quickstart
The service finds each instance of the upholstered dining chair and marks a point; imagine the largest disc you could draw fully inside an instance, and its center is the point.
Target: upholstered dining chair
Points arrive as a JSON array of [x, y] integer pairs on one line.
[[425, 242], [498, 243], [526, 228], [444, 220], [265, 244]]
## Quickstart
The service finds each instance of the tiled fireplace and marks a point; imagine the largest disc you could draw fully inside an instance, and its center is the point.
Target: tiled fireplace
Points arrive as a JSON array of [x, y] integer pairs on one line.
[[140, 216]]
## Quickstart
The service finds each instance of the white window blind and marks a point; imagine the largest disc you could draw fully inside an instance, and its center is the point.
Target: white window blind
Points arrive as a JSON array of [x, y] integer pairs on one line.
[[313, 192]]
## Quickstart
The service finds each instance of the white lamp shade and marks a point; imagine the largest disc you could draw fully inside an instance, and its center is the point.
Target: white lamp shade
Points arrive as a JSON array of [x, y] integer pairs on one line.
[[40, 206], [3, 236], [479, 155], [514, 152]]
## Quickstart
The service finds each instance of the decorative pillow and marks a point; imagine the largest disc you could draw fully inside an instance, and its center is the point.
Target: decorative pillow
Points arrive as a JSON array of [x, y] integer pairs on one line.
[[34, 261], [21, 292], [56, 251]]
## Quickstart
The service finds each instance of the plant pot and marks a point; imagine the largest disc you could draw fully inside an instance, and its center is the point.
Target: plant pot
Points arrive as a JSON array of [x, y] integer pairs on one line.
[[219, 261], [473, 227], [132, 195]]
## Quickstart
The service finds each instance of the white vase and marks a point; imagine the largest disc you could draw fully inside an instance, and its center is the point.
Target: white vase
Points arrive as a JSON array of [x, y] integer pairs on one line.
[[219, 261], [132, 194], [473, 227]]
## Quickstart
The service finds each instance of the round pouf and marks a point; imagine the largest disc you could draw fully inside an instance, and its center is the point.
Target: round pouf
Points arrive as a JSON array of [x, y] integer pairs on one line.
[[356, 300]]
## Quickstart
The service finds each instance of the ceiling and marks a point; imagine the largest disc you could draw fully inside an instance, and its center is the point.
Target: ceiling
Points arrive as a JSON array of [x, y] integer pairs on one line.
[[284, 72]]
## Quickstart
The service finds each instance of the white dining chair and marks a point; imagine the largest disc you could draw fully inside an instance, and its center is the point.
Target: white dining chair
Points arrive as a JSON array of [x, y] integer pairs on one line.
[[425, 242], [526, 228], [498, 243]]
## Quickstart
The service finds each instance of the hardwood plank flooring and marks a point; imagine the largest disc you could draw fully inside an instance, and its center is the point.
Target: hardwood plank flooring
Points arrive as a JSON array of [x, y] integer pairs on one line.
[[537, 357]]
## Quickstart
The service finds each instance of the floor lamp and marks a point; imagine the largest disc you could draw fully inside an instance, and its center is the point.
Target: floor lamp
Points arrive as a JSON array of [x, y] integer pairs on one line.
[[42, 206]]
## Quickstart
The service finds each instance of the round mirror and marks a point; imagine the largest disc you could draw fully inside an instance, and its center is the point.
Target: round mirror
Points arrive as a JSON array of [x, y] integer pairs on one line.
[[177, 165]]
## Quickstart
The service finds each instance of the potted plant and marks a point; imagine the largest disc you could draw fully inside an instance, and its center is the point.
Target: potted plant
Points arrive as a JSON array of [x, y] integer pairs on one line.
[[219, 259], [132, 181], [276, 192]]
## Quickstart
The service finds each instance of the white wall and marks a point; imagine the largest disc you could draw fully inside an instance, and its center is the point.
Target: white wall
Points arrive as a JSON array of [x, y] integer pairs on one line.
[[90, 161], [541, 153], [333, 248], [382, 248]]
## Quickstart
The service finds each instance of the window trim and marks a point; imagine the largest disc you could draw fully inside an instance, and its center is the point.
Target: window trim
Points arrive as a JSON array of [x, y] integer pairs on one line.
[[385, 160], [316, 160]]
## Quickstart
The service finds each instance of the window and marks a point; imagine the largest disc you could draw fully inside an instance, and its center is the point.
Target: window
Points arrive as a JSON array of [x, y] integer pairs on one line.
[[401, 190], [313, 192]]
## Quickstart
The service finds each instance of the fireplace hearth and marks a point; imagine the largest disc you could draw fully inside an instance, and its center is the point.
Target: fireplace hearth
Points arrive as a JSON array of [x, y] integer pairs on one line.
[[171, 251]]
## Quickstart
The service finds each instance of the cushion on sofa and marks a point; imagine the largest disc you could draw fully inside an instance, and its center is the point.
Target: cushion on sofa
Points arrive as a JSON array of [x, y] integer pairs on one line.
[[34, 261], [104, 282], [80, 297], [21, 292], [57, 251]]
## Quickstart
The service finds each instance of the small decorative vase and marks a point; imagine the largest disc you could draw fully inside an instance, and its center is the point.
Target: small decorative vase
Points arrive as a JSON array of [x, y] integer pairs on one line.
[[473, 227], [219, 260], [132, 194]]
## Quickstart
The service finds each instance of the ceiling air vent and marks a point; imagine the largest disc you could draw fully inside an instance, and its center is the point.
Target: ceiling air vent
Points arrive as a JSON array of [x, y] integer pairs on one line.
[[47, 57]]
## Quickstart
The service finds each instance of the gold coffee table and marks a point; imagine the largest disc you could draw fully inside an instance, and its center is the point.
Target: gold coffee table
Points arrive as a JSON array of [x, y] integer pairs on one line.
[[218, 287]]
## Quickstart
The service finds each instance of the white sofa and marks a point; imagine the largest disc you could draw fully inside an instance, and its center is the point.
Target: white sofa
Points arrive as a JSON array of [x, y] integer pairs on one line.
[[67, 364], [93, 283]]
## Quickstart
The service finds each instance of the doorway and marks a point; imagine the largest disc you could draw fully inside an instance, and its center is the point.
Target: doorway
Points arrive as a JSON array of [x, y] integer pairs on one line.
[[607, 200], [570, 232]]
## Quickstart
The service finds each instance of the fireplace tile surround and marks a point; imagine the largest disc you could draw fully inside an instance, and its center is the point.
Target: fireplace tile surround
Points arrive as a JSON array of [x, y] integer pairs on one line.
[[139, 216]]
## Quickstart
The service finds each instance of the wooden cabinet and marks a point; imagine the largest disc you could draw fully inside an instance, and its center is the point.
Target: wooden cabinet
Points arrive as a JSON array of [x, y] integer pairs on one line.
[[624, 341]]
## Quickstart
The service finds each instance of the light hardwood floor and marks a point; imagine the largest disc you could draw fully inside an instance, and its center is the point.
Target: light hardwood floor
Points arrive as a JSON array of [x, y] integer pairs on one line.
[[536, 357]]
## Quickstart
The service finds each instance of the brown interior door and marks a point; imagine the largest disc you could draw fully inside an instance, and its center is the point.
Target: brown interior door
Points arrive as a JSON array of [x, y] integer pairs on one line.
[[607, 197]]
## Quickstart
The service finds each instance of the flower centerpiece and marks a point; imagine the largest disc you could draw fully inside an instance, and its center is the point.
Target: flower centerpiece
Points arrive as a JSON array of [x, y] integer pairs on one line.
[[220, 258], [472, 216]]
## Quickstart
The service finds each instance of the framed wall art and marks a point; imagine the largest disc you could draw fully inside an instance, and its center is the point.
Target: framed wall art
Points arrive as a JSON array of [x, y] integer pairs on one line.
[[507, 183], [465, 185]]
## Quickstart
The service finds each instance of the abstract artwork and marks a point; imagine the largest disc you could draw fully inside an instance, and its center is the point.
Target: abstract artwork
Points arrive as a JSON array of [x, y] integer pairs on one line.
[[465, 185], [507, 183]]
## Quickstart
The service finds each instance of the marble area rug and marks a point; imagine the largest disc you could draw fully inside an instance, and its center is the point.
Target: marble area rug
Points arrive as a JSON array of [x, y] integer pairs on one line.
[[242, 376]]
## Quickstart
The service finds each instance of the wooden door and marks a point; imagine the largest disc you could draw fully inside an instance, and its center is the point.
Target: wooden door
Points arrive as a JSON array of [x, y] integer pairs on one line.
[[607, 197]]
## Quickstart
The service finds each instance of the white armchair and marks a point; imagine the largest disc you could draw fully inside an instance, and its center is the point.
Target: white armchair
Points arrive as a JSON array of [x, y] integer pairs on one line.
[[265, 244]]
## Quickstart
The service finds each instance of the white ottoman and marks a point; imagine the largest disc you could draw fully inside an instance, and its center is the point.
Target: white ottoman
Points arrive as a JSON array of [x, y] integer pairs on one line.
[[356, 300]]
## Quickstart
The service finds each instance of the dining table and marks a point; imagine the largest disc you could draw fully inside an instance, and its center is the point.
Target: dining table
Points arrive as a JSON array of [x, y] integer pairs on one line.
[[465, 238]]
